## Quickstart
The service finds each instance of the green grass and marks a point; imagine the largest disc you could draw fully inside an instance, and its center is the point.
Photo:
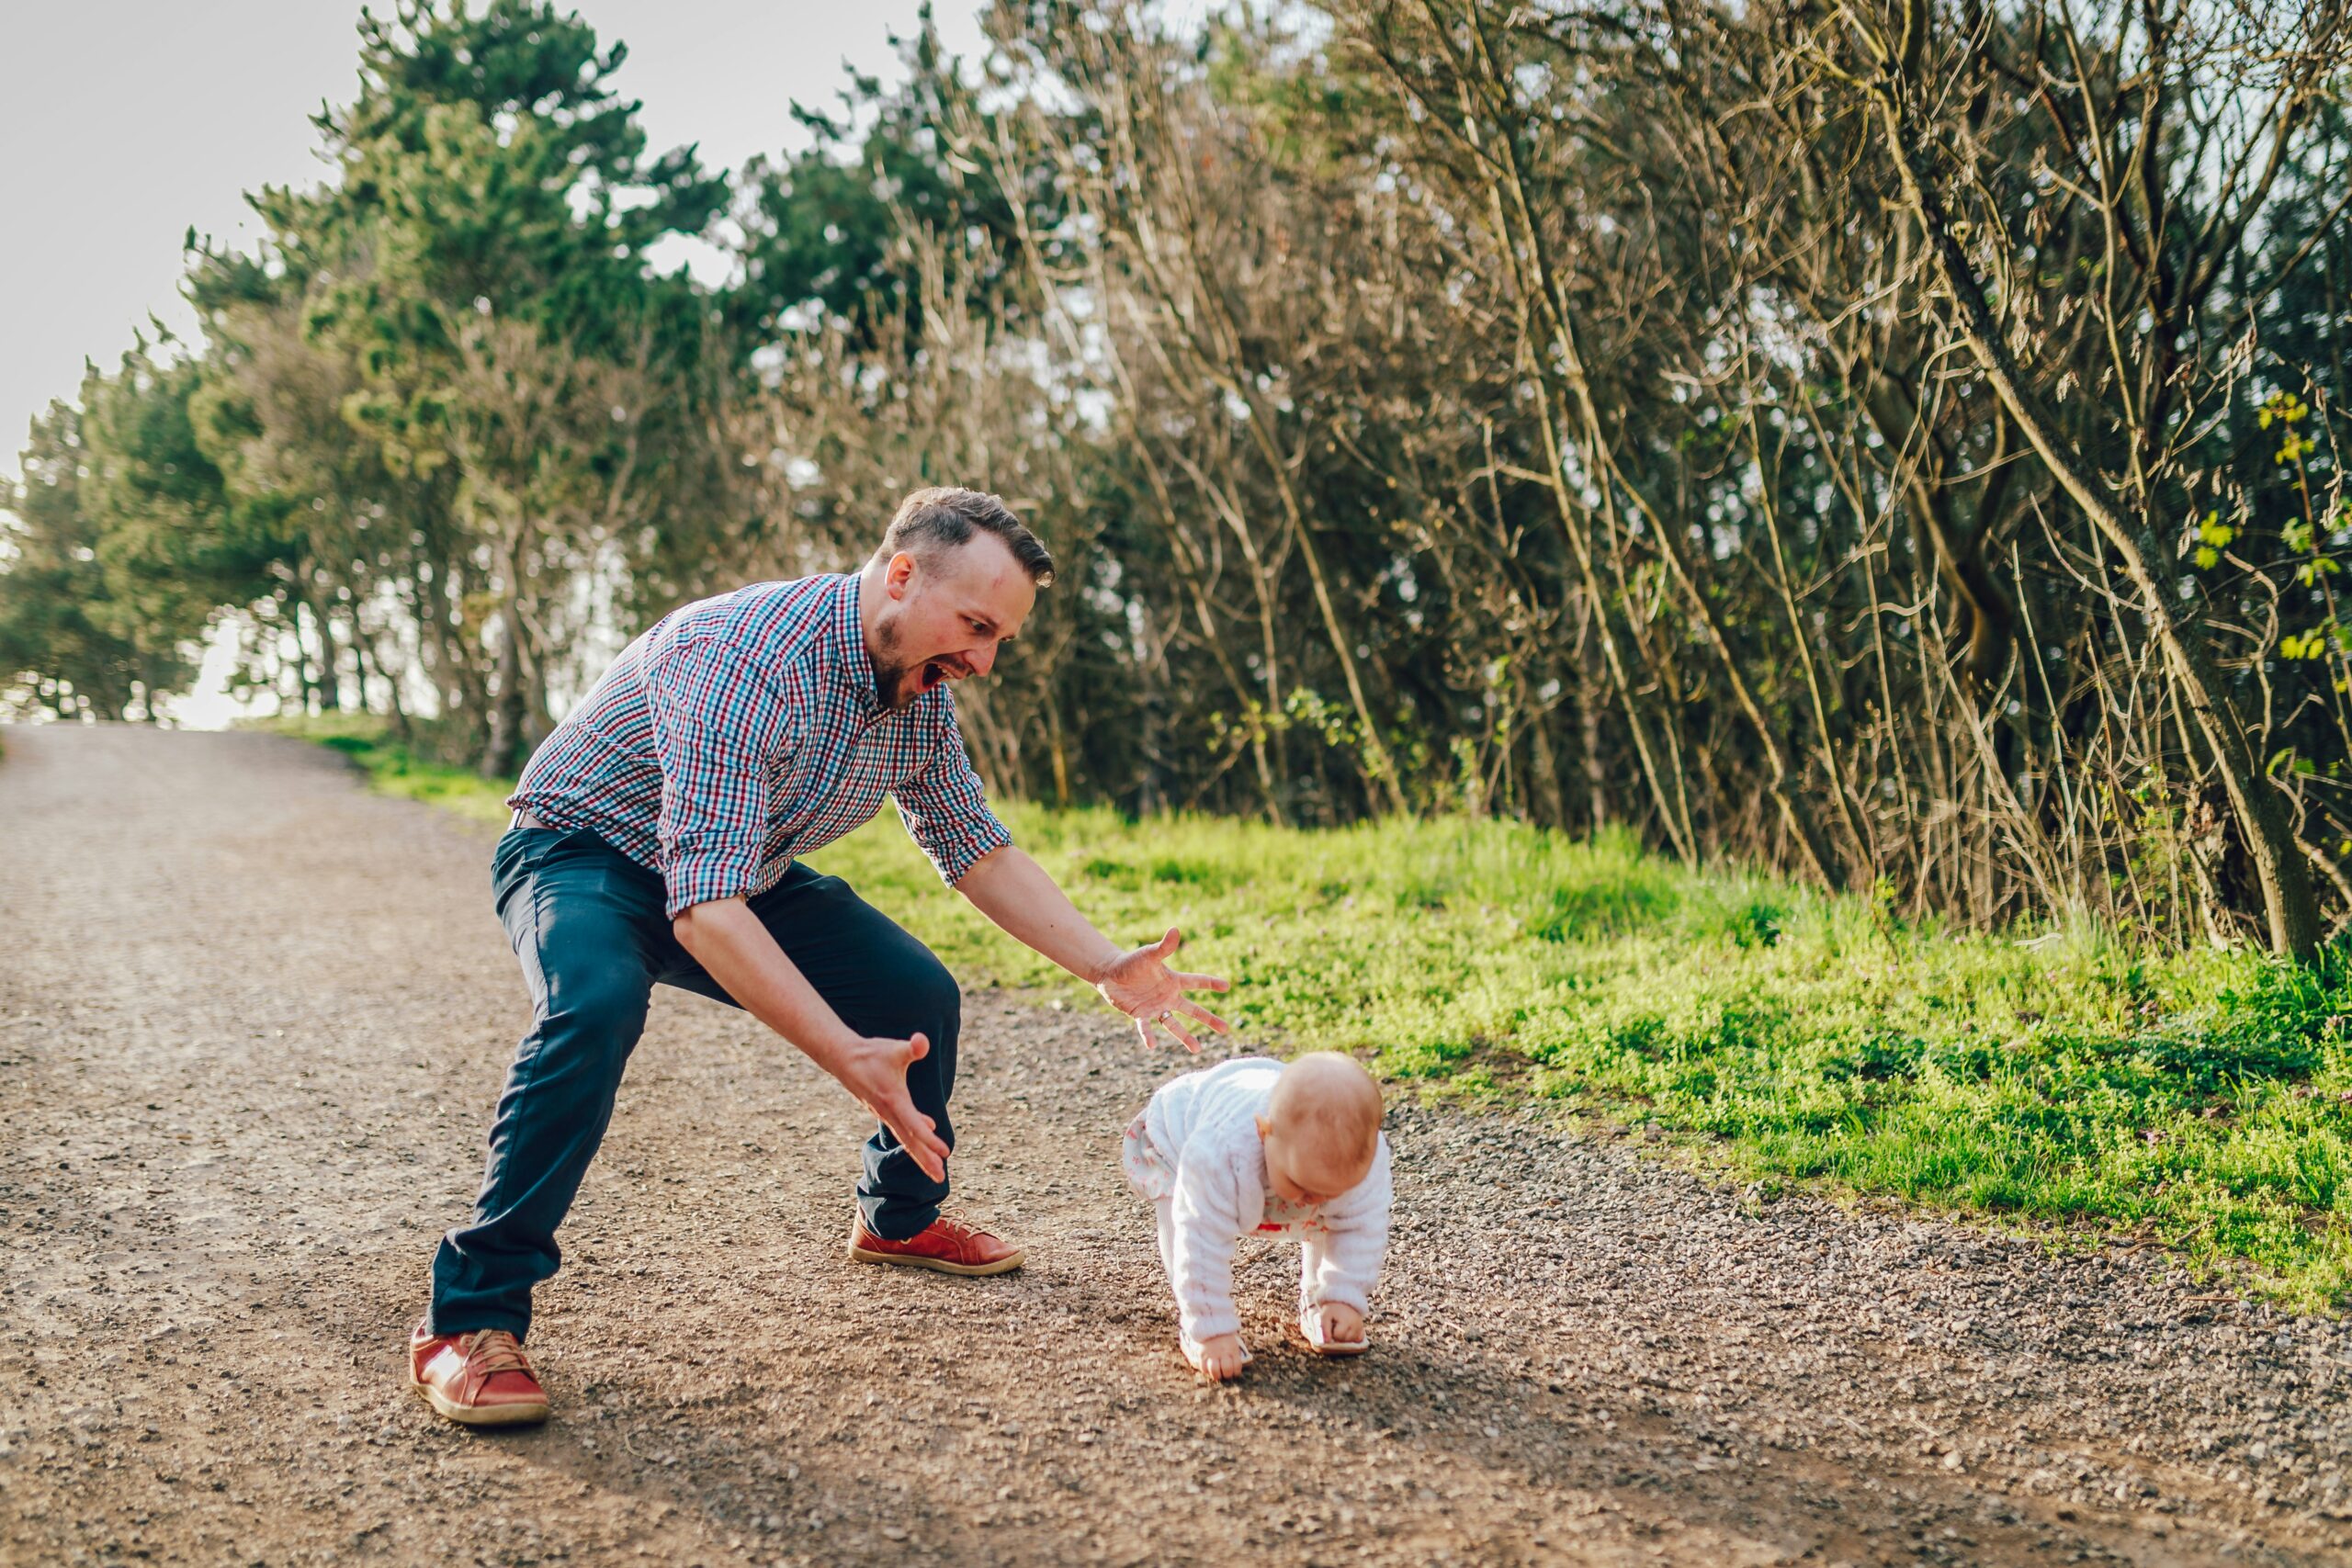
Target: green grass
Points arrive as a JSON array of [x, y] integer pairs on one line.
[[2057, 1079]]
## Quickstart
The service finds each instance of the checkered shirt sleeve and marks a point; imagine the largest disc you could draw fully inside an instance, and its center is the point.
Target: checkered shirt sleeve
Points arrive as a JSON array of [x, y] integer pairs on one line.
[[945, 808]]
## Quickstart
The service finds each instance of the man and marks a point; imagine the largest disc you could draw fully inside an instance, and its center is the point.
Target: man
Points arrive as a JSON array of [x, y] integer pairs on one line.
[[657, 838]]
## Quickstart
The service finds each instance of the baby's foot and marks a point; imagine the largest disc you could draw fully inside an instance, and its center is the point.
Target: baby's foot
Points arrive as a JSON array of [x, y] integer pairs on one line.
[[1332, 1328], [1219, 1357]]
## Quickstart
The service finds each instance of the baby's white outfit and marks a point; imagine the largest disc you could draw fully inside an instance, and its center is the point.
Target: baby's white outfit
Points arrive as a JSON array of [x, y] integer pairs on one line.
[[1194, 1151]]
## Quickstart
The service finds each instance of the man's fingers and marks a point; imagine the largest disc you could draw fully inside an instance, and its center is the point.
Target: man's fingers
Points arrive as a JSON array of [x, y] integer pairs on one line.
[[1177, 1028], [918, 1136], [925, 1157], [876, 1073], [1143, 1032], [1171, 942], [900, 1114], [1199, 982], [1197, 1011]]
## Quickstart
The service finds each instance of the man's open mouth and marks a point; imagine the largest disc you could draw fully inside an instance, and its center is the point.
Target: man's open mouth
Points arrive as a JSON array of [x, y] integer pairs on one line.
[[933, 673]]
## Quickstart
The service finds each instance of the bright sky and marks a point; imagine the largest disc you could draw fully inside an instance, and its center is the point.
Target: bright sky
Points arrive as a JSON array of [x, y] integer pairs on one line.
[[124, 121]]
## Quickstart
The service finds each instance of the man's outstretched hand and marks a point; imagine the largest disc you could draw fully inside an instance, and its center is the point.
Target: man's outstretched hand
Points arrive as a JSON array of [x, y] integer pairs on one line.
[[1013, 890], [874, 1070], [1140, 985]]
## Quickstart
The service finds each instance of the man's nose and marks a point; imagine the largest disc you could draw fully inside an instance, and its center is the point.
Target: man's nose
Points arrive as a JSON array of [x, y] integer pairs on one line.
[[981, 658]]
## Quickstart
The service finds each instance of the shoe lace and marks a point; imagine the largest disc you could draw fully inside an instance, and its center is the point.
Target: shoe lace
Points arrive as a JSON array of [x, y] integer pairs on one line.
[[492, 1350], [958, 1231]]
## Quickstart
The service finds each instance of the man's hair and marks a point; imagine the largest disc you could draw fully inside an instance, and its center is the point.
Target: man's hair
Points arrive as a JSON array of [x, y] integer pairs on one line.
[[944, 518]]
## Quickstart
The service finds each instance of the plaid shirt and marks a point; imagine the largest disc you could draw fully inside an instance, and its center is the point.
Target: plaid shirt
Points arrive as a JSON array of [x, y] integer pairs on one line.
[[744, 732]]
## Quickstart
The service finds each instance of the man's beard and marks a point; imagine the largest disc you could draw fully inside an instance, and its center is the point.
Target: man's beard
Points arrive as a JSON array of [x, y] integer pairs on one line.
[[892, 688]]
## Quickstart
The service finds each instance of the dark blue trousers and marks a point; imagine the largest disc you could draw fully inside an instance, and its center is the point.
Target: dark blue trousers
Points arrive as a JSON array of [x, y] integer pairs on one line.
[[587, 924]]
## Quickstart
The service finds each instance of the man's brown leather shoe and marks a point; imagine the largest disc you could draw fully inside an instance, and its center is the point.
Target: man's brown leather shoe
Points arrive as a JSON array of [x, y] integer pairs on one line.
[[943, 1245], [482, 1378]]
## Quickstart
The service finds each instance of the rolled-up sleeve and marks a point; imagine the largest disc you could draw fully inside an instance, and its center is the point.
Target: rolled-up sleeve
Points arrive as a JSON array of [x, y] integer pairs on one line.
[[945, 807], [715, 718]]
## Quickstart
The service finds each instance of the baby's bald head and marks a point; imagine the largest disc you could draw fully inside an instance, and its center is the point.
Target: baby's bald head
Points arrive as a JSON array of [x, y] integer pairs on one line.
[[1322, 1125]]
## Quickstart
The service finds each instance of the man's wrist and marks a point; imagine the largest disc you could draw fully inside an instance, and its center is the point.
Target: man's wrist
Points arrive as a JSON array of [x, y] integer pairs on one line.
[[1097, 969], [829, 1047]]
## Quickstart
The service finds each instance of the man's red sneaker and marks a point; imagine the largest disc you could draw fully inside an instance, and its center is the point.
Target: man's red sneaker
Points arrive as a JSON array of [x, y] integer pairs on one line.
[[943, 1245], [482, 1378]]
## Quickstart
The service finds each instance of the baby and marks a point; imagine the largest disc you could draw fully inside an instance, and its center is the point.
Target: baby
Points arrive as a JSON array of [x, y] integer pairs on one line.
[[1253, 1147]]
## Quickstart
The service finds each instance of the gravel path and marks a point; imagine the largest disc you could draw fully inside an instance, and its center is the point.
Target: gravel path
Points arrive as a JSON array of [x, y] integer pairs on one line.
[[253, 1020]]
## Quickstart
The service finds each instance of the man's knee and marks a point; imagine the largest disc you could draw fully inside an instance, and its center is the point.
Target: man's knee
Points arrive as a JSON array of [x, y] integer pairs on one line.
[[928, 998], [940, 996], [598, 1019]]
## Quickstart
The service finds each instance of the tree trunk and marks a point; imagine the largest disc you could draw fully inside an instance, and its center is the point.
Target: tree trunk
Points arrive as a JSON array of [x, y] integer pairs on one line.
[[301, 658], [1548, 802], [1595, 777], [329, 681], [498, 759]]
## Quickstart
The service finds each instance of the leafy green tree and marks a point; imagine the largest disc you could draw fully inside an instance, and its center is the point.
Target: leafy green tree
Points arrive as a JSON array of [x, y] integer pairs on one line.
[[481, 265], [124, 546], [59, 650], [825, 228], [174, 550]]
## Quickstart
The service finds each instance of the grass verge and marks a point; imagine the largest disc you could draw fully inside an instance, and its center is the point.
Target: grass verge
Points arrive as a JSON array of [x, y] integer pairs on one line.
[[2202, 1100]]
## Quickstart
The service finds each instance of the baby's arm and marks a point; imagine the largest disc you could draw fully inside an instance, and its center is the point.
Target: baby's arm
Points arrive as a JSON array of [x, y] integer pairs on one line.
[[1340, 1262]]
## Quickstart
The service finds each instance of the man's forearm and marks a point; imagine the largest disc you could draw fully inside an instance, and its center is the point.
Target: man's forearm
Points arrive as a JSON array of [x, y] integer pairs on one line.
[[1009, 887], [729, 941]]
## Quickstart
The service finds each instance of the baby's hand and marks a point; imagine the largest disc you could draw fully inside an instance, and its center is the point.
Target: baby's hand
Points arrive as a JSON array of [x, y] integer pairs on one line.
[[1343, 1325], [1221, 1358]]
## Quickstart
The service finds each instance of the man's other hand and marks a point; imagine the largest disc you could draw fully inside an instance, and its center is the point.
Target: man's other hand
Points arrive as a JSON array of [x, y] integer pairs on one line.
[[1140, 985]]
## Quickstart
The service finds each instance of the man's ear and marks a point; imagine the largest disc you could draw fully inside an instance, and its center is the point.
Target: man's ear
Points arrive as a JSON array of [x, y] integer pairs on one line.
[[899, 573]]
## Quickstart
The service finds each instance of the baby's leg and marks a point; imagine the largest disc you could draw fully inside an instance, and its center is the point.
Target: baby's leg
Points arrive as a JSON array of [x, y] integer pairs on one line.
[[1167, 1208]]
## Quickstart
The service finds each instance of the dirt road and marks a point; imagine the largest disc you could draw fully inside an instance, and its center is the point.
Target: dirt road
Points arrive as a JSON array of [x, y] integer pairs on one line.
[[253, 1020]]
